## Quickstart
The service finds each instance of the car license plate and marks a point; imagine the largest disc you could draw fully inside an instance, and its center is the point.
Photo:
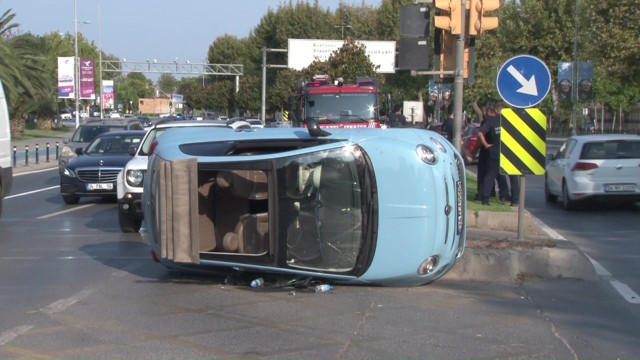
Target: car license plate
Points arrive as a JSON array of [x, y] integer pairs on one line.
[[103, 186], [619, 187]]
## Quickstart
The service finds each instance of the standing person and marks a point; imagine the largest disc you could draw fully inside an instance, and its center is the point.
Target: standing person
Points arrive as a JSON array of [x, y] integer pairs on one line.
[[489, 139], [397, 119], [447, 124], [503, 186]]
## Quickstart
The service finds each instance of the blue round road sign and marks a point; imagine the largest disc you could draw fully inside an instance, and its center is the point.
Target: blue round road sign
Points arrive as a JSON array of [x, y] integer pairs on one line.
[[523, 81]]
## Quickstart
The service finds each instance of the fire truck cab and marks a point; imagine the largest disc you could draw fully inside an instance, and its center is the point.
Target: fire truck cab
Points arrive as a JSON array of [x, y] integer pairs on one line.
[[334, 104]]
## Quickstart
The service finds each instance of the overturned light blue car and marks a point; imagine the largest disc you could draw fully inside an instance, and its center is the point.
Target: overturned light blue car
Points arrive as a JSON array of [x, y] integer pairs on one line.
[[353, 206]]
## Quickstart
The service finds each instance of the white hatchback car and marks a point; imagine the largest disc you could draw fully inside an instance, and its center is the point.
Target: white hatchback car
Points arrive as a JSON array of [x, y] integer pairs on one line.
[[602, 167]]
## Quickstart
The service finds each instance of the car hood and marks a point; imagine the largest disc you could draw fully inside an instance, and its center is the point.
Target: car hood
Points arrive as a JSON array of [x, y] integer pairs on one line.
[[115, 160]]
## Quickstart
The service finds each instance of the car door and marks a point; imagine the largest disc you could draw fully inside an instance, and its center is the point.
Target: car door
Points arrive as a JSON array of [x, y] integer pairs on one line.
[[558, 165]]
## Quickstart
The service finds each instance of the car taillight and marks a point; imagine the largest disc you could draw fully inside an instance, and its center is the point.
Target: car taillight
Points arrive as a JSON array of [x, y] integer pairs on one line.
[[584, 166], [153, 146]]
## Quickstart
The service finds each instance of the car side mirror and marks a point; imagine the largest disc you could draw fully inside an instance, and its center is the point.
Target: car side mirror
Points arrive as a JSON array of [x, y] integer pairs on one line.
[[79, 151]]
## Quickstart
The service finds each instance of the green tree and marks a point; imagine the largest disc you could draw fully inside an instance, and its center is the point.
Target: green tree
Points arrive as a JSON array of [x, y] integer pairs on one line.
[[167, 84]]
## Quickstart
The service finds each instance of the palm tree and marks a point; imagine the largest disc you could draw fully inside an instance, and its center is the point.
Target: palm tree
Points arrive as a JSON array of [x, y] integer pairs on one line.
[[30, 87]]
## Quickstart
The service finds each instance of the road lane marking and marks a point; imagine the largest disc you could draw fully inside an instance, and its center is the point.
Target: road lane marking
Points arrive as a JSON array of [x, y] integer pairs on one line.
[[32, 192], [63, 304], [34, 171], [8, 336], [600, 270], [625, 291], [64, 211]]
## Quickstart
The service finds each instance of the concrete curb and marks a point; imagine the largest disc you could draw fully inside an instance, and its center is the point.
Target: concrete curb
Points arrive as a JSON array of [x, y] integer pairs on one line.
[[494, 253]]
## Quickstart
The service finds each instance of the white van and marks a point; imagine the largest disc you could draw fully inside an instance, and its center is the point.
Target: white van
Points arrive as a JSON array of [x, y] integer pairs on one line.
[[6, 171]]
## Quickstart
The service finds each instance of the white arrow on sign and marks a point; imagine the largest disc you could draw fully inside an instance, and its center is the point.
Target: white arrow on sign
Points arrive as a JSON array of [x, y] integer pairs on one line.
[[528, 86]]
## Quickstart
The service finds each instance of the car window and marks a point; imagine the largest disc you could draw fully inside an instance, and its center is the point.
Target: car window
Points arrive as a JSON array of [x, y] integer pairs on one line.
[[565, 150], [113, 144], [604, 150]]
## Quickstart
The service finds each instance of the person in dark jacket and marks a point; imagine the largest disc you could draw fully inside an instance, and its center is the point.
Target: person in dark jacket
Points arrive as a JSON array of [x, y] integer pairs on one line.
[[489, 156], [447, 124], [397, 119]]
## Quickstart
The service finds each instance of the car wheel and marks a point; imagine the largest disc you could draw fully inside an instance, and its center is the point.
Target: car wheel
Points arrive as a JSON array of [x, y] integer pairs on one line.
[[128, 224], [547, 193], [70, 199], [567, 203]]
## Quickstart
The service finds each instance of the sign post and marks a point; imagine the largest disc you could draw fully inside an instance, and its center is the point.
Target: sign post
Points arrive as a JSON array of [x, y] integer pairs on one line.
[[523, 82]]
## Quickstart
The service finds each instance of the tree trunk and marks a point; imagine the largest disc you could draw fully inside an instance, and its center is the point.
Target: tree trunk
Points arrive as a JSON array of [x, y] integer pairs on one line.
[[45, 124], [17, 126]]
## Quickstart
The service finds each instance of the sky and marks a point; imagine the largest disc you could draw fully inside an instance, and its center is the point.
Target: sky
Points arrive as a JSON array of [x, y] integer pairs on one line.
[[150, 29]]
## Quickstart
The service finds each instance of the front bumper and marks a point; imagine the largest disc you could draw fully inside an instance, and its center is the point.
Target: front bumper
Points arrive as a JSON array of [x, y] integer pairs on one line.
[[131, 205]]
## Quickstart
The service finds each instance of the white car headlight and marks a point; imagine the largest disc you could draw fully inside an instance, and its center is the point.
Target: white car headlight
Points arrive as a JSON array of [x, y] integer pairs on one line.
[[135, 177], [439, 145], [428, 265], [426, 154]]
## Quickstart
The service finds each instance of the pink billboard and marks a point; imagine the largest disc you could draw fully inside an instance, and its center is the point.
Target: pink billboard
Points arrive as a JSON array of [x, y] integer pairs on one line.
[[87, 87]]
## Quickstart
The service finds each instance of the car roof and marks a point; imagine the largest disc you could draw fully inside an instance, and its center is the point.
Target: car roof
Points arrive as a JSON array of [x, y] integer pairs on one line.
[[123, 133], [605, 137], [186, 123]]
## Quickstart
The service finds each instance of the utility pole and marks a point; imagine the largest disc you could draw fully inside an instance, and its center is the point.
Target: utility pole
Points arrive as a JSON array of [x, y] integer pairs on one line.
[[458, 81]]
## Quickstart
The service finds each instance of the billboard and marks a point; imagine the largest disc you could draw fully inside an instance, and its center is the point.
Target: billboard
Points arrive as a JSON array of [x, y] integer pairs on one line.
[[302, 52], [585, 81], [66, 78], [565, 76], [107, 94], [87, 87]]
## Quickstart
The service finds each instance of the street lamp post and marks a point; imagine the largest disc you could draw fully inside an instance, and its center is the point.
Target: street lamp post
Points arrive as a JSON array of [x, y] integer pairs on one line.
[[76, 82], [100, 66]]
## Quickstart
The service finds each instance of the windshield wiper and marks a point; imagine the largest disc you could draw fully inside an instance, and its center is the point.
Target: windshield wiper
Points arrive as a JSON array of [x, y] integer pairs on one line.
[[320, 119], [356, 120]]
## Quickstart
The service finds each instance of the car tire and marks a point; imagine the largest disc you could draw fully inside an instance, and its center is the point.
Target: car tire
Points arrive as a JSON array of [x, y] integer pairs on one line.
[[547, 193], [128, 224], [567, 203], [70, 199]]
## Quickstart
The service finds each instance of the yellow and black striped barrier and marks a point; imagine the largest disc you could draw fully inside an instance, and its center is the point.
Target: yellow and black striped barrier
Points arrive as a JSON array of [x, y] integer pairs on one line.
[[523, 137]]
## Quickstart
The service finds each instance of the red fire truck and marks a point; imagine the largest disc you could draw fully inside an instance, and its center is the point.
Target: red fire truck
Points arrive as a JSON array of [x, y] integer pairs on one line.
[[334, 104]]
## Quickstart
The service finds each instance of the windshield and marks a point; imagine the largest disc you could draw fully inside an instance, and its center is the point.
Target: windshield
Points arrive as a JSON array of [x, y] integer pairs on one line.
[[118, 144], [86, 133], [341, 107], [322, 203]]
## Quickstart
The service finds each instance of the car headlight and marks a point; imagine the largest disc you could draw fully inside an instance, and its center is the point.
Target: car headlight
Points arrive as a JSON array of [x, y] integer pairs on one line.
[[135, 177], [68, 152], [68, 172], [426, 154], [439, 145], [428, 265]]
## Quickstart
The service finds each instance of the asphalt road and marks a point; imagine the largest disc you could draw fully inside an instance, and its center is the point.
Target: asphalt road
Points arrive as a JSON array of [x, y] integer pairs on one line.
[[73, 286]]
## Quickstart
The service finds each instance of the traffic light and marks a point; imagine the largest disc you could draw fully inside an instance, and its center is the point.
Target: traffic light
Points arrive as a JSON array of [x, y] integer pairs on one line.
[[450, 15], [478, 22], [447, 53], [170, 104]]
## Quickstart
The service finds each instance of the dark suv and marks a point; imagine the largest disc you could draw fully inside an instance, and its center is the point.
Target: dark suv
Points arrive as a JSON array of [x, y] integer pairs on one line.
[[86, 132]]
